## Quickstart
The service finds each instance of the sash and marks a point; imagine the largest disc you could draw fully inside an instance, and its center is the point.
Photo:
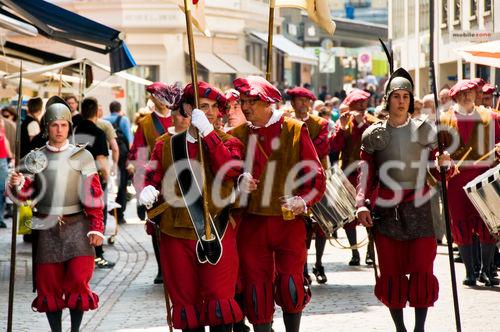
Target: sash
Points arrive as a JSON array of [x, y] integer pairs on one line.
[[157, 123], [206, 250]]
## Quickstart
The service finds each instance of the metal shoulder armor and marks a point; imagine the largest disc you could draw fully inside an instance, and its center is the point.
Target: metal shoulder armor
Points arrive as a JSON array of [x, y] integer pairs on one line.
[[376, 137], [82, 160], [35, 161]]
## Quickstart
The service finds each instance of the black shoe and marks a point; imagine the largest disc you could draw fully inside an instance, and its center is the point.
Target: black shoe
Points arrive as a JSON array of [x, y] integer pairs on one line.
[[2, 225], [307, 278], [158, 279], [122, 221], [469, 281], [319, 273], [487, 280], [241, 327], [368, 260], [102, 263], [354, 261]]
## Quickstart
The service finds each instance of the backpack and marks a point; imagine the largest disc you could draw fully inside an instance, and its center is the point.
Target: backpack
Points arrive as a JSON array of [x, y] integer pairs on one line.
[[121, 139]]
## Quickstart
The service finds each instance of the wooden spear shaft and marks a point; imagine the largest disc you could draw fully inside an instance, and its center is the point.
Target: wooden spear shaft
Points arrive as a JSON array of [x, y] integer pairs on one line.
[[270, 34], [194, 80]]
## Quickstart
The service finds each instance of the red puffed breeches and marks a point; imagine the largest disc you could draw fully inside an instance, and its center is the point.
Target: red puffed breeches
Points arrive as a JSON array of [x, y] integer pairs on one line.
[[65, 285], [201, 294], [465, 220], [396, 260], [272, 253]]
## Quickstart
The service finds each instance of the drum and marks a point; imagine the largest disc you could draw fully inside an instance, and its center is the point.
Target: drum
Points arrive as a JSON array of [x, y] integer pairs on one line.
[[484, 193], [337, 207]]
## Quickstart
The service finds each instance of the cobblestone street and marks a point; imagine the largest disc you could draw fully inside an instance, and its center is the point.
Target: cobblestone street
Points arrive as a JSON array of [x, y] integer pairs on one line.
[[130, 302]]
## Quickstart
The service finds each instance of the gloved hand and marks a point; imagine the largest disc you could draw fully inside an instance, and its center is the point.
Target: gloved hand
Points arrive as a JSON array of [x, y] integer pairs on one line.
[[200, 121], [148, 196], [246, 183]]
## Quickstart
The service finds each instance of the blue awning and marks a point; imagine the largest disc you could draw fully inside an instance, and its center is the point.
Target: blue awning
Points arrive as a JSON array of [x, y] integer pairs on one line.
[[62, 25]]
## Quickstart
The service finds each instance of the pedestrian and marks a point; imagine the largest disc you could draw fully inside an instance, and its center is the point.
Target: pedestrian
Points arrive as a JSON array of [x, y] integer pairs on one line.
[[477, 129], [111, 138], [5, 155], [30, 127], [9, 113], [317, 127], [67, 231], [401, 219], [202, 294], [74, 105], [88, 133], [273, 250], [346, 141]]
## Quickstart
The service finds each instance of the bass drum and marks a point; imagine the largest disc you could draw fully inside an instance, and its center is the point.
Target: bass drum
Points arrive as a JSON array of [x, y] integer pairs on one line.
[[337, 207], [484, 193]]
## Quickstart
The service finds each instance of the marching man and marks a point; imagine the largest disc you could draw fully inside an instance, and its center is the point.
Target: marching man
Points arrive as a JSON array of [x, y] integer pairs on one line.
[[317, 127], [272, 233], [202, 294], [68, 218]]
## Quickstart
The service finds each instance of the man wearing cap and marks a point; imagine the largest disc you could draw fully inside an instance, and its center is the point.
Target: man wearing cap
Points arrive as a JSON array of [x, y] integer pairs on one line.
[[202, 294], [477, 129], [68, 218], [283, 177], [150, 127], [395, 155], [488, 91], [346, 141], [302, 100], [235, 116]]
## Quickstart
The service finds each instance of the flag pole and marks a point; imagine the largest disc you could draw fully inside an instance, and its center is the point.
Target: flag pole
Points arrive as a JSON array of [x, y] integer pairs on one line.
[[270, 33], [444, 191], [194, 80], [13, 242]]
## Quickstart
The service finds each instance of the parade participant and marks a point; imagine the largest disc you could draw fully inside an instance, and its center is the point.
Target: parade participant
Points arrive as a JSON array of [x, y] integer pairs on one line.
[[69, 220], [346, 141], [201, 294], [235, 116], [479, 90], [402, 222], [272, 233], [150, 127], [302, 100], [478, 128], [488, 91]]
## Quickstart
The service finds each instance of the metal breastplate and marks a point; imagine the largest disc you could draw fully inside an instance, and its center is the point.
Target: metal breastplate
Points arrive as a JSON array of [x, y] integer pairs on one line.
[[402, 164], [59, 185]]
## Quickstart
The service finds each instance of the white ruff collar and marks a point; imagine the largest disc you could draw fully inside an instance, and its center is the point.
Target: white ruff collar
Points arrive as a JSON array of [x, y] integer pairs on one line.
[[275, 117], [460, 110], [161, 115], [54, 149]]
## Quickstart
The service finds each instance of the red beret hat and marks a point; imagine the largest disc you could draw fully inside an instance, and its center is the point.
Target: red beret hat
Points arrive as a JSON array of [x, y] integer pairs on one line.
[[301, 92], [257, 86], [462, 85], [232, 95], [168, 95], [489, 88], [356, 95], [479, 81], [205, 90]]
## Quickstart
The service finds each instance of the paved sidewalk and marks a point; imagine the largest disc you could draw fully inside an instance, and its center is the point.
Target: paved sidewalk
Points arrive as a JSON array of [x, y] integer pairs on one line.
[[130, 302]]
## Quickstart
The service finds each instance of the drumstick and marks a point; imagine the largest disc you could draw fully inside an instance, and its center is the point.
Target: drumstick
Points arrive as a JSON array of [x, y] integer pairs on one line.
[[485, 156], [461, 161]]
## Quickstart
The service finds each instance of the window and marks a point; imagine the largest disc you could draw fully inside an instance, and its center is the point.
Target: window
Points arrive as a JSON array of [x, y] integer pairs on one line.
[[136, 94], [444, 13], [411, 17], [398, 19], [424, 15], [473, 10], [456, 12], [487, 7]]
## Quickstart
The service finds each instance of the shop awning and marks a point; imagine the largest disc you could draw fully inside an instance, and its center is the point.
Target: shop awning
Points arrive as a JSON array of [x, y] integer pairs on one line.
[[62, 25], [487, 54], [242, 66], [294, 51], [213, 64]]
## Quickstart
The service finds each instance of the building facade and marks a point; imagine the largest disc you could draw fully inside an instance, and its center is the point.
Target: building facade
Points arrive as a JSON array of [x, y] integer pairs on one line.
[[458, 24]]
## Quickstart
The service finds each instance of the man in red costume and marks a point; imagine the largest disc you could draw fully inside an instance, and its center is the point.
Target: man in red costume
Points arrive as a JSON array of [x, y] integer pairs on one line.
[[302, 100], [395, 156], [272, 233], [68, 221], [150, 127], [488, 91], [346, 141], [475, 127], [201, 294]]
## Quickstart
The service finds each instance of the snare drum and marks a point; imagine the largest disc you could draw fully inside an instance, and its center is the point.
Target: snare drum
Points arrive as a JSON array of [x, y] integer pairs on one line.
[[484, 193], [337, 207]]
